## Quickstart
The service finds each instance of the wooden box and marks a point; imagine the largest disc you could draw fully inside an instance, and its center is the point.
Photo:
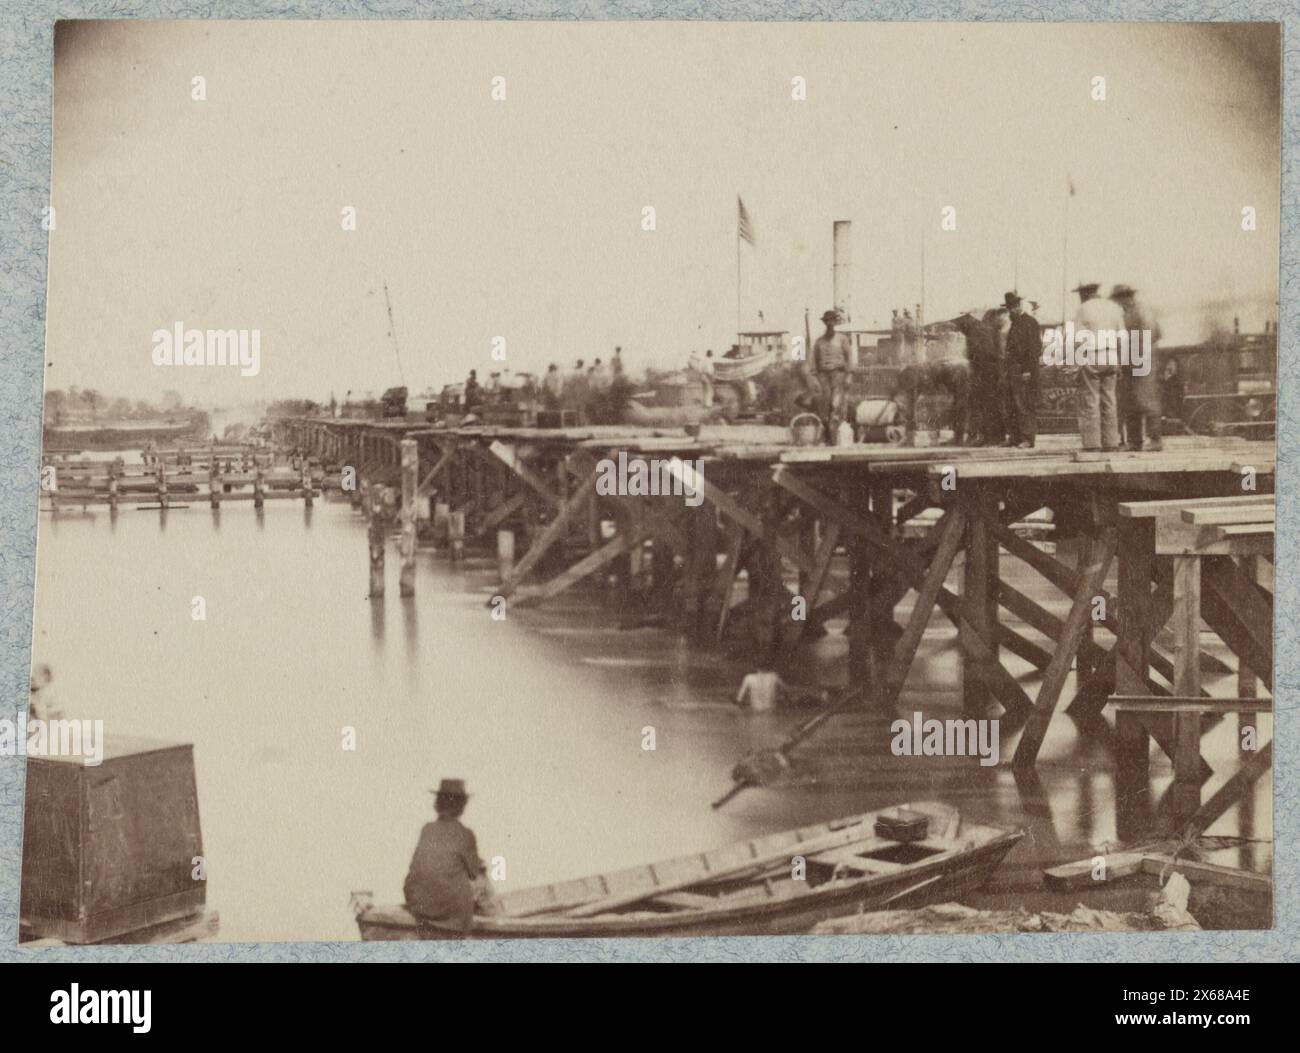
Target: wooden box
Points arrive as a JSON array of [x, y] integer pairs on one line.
[[903, 825], [111, 848], [557, 419]]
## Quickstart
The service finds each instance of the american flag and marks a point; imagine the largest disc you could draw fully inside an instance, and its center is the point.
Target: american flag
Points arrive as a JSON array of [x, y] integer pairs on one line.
[[745, 226]]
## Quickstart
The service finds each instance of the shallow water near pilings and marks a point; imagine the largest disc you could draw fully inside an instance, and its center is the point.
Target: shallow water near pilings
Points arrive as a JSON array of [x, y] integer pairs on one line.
[[544, 714]]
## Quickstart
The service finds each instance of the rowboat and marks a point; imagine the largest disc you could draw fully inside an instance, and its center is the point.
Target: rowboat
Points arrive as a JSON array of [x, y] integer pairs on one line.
[[779, 884]]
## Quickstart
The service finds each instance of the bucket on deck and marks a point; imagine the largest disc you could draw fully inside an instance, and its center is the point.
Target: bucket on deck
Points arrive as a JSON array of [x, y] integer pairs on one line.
[[806, 429]]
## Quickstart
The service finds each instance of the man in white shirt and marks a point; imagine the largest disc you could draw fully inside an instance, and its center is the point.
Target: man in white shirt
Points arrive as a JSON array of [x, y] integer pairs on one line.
[[1097, 323]]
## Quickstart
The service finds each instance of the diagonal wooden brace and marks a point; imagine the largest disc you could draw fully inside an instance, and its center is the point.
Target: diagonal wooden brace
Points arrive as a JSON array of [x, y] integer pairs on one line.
[[1076, 622]]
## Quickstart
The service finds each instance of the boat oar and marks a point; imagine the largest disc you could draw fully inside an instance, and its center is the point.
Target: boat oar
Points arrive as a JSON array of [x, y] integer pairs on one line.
[[779, 758], [735, 789]]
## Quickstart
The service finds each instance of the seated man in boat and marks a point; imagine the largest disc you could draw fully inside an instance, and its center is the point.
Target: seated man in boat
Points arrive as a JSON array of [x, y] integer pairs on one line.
[[446, 872]]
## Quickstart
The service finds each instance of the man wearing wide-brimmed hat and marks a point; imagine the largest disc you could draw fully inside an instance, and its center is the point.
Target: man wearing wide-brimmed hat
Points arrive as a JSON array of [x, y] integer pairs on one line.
[[831, 360], [1023, 357], [440, 885]]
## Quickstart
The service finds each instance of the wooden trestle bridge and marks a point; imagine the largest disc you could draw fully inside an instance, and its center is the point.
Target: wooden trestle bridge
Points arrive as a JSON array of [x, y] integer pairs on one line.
[[1152, 551]]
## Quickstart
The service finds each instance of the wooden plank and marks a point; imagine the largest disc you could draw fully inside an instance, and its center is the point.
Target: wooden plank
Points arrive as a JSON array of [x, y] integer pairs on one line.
[[1238, 514], [1185, 623], [1231, 791], [727, 505], [905, 649], [852, 856], [502, 512], [734, 511], [1029, 611], [817, 579], [1244, 530], [509, 456], [726, 584], [1241, 614], [438, 468], [822, 563], [1079, 874], [1004, 687], [1136, 552], [1022, 647], [912, 508], [687, 900], [1160, 863], [588, 565], [1078, 620], [1199, 704], [1151, 509], [979, 584], [1059, 574], [554, 531], [1060, 467]]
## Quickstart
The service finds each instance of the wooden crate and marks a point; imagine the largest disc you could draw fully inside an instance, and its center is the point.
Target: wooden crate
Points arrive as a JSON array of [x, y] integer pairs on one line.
[[111, 848], [557, 419]]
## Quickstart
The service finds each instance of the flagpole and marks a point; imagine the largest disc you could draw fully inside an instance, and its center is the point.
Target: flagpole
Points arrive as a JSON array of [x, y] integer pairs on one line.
[[1065, 251], [738, 310], [922, 301]]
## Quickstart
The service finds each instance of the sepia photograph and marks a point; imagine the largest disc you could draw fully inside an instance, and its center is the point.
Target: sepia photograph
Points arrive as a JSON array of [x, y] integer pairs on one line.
[[508, 480]]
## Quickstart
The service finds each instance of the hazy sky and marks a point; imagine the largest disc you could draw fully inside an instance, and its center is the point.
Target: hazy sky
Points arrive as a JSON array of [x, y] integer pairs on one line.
[[522, 218]]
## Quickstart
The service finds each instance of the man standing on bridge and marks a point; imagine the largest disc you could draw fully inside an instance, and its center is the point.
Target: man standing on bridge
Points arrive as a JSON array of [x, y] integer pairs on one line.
[[831, 360], [1139, 393], [1024, 356], [986, 380], [1100, 321]]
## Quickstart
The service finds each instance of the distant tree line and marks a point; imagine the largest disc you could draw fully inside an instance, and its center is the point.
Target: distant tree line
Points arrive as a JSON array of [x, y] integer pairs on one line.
[[89, 405], [293, 408]]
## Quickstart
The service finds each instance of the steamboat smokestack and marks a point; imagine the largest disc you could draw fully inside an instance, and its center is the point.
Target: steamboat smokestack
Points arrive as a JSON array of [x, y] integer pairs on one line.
[[843, 267]]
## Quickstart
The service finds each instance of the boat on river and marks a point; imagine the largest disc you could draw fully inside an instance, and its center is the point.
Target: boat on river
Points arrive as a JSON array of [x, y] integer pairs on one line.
[[785, 883]]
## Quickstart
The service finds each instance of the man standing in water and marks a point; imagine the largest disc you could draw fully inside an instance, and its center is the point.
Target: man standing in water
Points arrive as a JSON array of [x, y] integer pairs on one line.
[[441, 884]]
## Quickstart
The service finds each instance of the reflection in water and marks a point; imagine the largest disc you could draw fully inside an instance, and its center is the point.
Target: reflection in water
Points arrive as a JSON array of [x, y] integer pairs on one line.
[[542, 713]]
